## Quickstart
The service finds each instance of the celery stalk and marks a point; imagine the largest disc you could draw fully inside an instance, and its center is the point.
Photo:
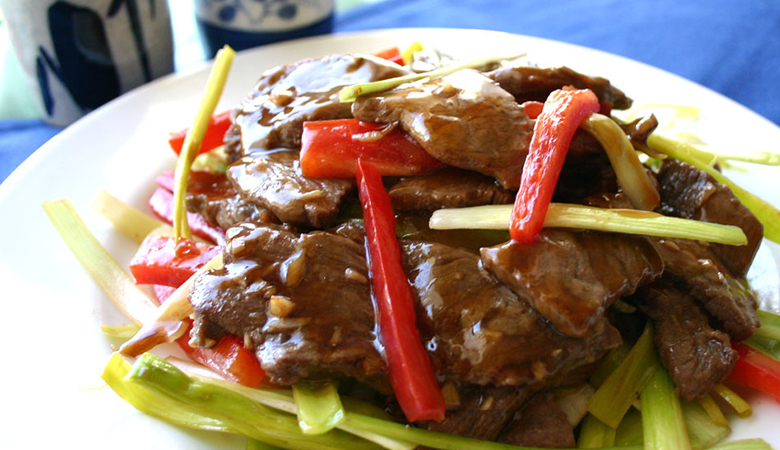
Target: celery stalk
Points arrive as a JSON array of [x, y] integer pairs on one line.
[[117, 284], [713, 410], [703, 432], [629, 432], [663, 425], [239, 413], [740, 406], [253, 444], [770, 325], [194, 138], [616, 395], [561, 215], [767, 214], [630, 173], [319, 406], [595, 434], [351, 93], [153, 403], [608, 364], [744, 444]]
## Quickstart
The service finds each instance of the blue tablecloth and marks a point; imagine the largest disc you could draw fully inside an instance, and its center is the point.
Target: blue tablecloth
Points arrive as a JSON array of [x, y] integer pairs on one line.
[[729, 46]]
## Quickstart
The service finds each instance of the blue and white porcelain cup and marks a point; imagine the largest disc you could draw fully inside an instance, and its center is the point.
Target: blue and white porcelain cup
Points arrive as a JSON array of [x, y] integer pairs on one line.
[[249, 23], [79, 54]]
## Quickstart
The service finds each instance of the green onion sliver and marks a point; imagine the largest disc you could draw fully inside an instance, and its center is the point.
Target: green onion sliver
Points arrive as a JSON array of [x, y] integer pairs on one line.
[[770, 325], [663, 425], [595, 433], [767, 214], [616, 395], [562, 215], [127, 220], [703, 431], [112, 279], [194, 138], [319, 406], [630, 172], [740, 406], [351, 93], [743, 444]]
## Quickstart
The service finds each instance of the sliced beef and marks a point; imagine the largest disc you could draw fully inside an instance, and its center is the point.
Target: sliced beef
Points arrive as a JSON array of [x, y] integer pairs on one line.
[[273, 114], [464, 119], [697, 356], [693, 194], [535, 83], [694, 265], [540, 423], [448, 188], [483, 412], [572, 277], [303, 302], [478, 331], [273, 180], [213, 196]]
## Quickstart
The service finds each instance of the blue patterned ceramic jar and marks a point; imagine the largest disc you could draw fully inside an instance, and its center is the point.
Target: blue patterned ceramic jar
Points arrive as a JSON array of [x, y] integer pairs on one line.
[[248, 23], [79, 54]]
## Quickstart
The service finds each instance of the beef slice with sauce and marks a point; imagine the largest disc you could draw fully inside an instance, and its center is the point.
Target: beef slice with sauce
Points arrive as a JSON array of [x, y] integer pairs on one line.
[[286, 96], [302, 301], [539, 423], [478, 331], [273, 180], [463, 119], [697, 356], [535, 83], [447, 188], [694, 265], [693, 194], [572, 277]]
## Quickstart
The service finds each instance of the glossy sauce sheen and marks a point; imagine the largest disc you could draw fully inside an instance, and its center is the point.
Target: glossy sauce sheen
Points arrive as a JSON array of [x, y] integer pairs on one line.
[[286, 96]]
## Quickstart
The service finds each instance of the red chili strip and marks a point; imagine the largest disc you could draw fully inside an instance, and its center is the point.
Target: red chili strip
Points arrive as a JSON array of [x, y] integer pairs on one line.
[[554, 129], [169, 261], [411, 371], [756, 370], [214, 137], [392, 54], [330, 148]]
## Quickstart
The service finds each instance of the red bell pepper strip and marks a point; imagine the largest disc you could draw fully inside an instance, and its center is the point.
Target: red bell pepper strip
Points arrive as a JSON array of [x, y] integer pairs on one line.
[[329, 150], [554, 129], [228, 358], [411, 371], [161, 203], [532, 108], [756, 370], [391, 54], [169, 261], [214, 137]]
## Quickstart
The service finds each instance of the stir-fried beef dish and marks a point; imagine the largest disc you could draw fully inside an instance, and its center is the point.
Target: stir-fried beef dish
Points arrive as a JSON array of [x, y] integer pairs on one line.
[[502, 323]]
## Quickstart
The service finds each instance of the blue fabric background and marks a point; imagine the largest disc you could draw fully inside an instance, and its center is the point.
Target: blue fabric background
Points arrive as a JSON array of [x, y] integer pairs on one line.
[[732, 47]]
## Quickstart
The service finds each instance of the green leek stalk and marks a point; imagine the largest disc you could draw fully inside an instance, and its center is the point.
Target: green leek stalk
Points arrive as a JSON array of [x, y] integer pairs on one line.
[[561, 215], [351, 93], [239, 413], [630, 173], [663, 426], [595, 434], [253, 444], [767, 214], [770, 347], [192, 142], [127, 220], [123, 332], [112, 279], [616, 395], [608, 364], [770, 325], [713, 410], [319, 406], [703, 431], [743, 444], [737, 403]]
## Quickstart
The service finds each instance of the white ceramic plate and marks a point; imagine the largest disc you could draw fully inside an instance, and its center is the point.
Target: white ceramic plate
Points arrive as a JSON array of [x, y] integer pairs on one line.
[[53, 350]]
